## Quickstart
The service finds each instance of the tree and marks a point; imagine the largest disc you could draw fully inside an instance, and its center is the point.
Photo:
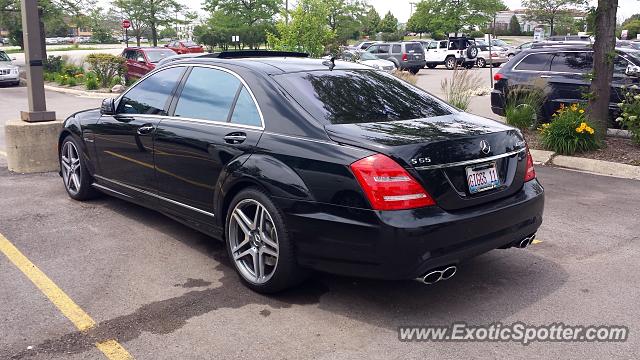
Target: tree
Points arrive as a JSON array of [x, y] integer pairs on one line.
[[249, 12], [371, 22], [168, 32], [389, 23], [514, 26], [633, 28], [344, 19], [548, 11], [148, 14], [306, 31], [443, 16], [603, 56]]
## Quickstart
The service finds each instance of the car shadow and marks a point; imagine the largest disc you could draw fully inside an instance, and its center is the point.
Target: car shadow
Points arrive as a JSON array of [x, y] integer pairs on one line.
[[486, 289]]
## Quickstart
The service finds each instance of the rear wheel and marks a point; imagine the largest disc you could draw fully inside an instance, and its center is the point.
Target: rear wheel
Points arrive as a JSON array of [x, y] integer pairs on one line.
[[414, 71], [76, 177], [481, 62], [450, 63], [258, 243], [431, 66]]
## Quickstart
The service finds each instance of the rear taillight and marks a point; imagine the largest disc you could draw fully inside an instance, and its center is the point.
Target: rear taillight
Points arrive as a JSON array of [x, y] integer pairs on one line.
[[405, 57], [388, 186], [498, 77], [530, 173]]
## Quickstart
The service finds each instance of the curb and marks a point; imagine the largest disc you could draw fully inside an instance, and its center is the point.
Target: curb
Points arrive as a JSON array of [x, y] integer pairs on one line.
[[599, 167], [91, 94]]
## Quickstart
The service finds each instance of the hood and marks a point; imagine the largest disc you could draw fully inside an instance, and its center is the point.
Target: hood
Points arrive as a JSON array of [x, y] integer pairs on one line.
[[7, 65]]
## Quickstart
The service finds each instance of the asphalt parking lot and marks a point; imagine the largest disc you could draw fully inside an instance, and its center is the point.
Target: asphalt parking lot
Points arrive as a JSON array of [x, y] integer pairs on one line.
[[164, 291]]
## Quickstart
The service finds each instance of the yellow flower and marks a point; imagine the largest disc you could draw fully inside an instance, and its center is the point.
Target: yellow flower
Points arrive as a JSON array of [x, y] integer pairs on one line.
[[581, 111], [590, 130], [579, 130]]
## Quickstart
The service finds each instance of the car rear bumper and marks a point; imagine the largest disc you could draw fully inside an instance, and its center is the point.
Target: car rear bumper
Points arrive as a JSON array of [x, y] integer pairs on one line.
[[9, 78], [418, 64], [406, 244]]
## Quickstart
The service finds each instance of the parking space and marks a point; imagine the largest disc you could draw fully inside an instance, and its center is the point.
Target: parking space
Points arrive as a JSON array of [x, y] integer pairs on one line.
[[164, 291]]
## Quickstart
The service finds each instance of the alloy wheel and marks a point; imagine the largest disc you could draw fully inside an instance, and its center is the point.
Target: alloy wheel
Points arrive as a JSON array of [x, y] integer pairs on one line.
[[253, 241], [71, 172], [451, 63]]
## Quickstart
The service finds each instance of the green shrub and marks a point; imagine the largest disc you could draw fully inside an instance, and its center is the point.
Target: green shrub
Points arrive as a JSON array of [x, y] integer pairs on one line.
[[71, 70], [522, 105], [116, 81], [90, 81], [569, 132], [437, 35], [458, 90], [62, 79], [72, 81], [476, 34], [106, 67], [630, 117], [53, 64]]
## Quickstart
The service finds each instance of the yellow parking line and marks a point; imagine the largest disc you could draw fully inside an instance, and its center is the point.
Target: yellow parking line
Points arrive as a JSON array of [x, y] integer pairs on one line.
[[536, 241], [62, 301]]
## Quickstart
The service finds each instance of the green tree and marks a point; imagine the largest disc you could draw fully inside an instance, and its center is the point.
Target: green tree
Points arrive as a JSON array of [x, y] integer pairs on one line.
[[249, 12], [306, 31], [371, 22], [148, 14], [168, 32], [514, 26], [389, 23], [345, 19], [444, 16], [549, 11], [633, 27]]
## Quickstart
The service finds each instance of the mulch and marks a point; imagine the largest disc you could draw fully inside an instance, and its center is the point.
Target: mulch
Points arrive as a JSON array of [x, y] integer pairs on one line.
[[619, 150]]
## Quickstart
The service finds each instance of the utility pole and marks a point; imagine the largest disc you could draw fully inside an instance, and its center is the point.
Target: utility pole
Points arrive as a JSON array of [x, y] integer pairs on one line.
[[286, 12]]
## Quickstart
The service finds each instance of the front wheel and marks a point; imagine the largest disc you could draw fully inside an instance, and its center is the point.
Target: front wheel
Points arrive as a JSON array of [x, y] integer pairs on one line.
[[450, 63], [481, 62], [258, 243], [76, 177]]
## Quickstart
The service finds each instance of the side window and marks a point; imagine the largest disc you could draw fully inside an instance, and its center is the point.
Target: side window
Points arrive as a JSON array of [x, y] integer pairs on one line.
[[535, 62], [620, 66], [383, 49], [150, 96], [246, 112], [433, 45], [397, 49], [207, 94], [572, 62], [373, 49], [443, 44]]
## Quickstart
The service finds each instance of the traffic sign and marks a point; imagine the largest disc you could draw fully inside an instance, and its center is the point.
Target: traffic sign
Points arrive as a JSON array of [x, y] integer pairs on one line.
[[126, 24]]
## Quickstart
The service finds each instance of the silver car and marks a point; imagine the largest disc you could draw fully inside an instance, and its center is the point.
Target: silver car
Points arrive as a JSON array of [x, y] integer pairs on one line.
[[9, 73]]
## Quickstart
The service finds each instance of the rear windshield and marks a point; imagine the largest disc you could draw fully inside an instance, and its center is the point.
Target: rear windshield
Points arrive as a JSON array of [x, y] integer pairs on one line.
[[156, 55], [359, 96], [416, 47]]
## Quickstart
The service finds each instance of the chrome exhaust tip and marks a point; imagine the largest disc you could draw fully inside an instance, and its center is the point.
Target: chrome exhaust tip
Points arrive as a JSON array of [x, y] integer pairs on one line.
[[434, 276], [526, 241]]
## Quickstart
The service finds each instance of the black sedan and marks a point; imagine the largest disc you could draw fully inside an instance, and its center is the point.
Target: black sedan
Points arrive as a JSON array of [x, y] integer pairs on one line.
[[302, 164]]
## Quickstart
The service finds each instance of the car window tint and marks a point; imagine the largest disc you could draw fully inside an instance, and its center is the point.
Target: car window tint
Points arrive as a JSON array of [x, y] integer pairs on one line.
[[433, 45], [397, 48], [151, 94], [443, 44], [383, 49], [535, 62], [360, 96], [207, 94], [413, 47], [572, 62], [245, 111], [373, 49]]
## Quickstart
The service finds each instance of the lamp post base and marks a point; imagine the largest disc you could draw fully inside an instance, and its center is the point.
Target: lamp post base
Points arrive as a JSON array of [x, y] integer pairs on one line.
[[32, 147], [37, 116]]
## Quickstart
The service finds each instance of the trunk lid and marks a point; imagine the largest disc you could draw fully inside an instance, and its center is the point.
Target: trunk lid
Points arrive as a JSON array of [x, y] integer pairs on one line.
[[437, 152]]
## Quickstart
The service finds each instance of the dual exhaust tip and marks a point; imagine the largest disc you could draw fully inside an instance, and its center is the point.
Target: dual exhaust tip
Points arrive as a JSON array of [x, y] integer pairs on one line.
[[526, 241], [438, 274]]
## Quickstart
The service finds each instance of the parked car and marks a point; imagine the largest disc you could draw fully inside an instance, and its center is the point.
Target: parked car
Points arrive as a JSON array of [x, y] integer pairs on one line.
[[141, 60], [176, 57], [363, 45], [510, 50], [563, 38], [9, 73], [628, 44], [521, 47], [185, 47], [405, 55], [497, 56], [565, 69], [298, 164], [451, 53], [366, 58]]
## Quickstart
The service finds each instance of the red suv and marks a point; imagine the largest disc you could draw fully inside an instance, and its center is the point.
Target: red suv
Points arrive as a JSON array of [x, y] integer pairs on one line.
[[185, 47], [141, 60]]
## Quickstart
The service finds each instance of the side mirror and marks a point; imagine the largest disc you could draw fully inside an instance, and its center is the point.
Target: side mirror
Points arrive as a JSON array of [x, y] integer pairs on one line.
[[108, 107], [633, 70]]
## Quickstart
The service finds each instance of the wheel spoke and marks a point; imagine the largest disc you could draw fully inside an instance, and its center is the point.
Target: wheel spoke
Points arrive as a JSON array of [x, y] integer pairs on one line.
[[242, 254], [256, 266], [243, 226], [258, 217], [267, 240], [76, 181], [245, 219], [239, 246], [260, 257], [66, 166], [270, 252]]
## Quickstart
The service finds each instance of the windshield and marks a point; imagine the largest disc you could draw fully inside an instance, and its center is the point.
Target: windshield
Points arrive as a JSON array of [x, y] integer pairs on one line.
[[500, 42], [4, 56], [156, 55], [360, 96], [367, 56]]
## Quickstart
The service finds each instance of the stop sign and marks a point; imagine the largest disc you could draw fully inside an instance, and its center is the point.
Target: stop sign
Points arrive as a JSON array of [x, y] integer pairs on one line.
[[126, 24]]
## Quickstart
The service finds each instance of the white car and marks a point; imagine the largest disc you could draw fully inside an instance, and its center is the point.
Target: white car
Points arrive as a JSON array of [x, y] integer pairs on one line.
[[9, 73], [365, 58]]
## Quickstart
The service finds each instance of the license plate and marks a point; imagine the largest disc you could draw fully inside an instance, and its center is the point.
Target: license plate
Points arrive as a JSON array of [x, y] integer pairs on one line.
[[482, 178]]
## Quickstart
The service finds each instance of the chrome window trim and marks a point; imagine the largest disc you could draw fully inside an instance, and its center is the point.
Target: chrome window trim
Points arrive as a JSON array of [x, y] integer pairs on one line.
[[149, 194], [470, 162], [187, 65], [212, 123]]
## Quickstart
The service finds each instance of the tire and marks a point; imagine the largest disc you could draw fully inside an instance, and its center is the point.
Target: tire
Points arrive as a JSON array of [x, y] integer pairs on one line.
[[414, 71], [496, 65], [450, 63], [481, 62], [249, 244], [472, 52], [432, 66], [75, 176]]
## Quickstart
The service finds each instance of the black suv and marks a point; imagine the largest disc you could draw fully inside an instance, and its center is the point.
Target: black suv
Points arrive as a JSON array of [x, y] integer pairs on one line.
[[303, 164], [566, 71]]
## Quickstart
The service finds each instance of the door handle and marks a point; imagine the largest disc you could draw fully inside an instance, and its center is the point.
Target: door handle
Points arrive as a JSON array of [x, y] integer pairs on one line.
[[146, 129], [545, 76], [235, 138]]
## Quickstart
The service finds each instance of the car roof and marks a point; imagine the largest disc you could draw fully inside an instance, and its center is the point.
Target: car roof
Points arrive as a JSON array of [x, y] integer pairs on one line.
[[146, 48], [275, 65]]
